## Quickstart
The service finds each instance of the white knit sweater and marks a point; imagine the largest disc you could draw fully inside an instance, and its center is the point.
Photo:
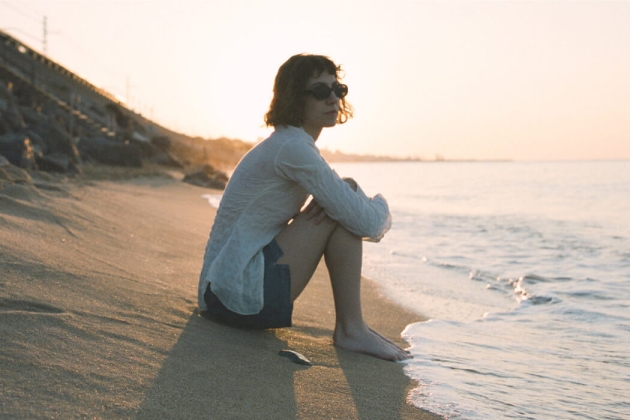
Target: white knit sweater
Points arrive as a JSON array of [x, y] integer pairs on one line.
[[267, 189]]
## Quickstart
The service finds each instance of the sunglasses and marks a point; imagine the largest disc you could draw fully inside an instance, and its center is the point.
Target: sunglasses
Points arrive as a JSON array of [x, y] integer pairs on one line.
[[321, 91]]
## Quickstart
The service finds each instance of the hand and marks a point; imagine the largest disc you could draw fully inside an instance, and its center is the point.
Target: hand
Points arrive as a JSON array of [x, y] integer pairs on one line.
[[313, 211], [353, 184]]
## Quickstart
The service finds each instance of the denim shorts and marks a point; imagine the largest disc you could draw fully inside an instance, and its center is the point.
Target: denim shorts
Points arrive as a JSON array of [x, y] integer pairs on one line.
[[277, 308]]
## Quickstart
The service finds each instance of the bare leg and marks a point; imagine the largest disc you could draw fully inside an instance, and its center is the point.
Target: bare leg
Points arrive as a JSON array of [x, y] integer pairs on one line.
[[304, 243], [344, 255]]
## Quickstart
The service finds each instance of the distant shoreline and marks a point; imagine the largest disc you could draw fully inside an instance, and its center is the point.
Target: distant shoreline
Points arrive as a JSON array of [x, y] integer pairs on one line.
[[340, 157]]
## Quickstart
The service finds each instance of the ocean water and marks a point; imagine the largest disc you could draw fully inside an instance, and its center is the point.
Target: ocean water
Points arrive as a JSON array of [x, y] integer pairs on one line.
[[524, 271]]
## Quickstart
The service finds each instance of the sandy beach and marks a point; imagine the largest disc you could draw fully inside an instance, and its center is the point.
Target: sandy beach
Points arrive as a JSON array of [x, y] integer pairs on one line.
[[98, 316]]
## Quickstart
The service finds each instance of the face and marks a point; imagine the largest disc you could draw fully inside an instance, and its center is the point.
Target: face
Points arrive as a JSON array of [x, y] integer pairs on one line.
[[320, 113]]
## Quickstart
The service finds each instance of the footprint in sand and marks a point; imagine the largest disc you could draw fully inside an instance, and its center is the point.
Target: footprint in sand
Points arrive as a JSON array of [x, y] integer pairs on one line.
[[25, 306]]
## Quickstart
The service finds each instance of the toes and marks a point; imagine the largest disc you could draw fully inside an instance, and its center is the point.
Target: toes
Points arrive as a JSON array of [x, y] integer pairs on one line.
[[372, 343]]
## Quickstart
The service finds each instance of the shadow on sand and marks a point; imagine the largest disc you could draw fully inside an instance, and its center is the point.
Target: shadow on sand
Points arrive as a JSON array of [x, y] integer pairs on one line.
[[216, 371]]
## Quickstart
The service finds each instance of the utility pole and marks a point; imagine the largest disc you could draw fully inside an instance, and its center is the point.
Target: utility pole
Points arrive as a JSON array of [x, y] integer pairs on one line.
[[127, 97], [45, 39]]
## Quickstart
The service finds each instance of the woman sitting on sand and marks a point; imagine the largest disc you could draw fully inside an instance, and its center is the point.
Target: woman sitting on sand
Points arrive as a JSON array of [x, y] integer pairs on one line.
[[262, 249]]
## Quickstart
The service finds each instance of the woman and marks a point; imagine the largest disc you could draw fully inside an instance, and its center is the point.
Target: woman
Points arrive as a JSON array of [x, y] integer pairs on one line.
[[263, 249]]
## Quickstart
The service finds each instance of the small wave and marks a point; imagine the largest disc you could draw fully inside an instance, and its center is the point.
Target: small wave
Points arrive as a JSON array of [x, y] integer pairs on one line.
[[449, 266], [541, 300], [523, 295], [486, 276], [589, 316], [533, 278], [504, 352], [454, 267], [588, 294], [407, 255]]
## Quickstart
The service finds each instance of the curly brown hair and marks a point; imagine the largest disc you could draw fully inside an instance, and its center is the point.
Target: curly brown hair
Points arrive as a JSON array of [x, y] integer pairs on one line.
[[287, 105]]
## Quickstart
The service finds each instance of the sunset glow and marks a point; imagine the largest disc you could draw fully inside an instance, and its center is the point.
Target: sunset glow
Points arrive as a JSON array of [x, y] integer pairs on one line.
[[480, 80]]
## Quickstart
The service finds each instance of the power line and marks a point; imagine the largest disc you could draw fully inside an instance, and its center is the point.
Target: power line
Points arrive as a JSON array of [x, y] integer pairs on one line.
[[22, 32], [21, 12], [69, 42], [30, 16]]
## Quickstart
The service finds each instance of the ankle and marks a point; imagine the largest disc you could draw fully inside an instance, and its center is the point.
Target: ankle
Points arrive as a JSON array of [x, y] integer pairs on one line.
[[350, 329]]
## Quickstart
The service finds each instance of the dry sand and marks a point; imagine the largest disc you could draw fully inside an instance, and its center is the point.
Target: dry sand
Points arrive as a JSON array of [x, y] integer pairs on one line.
[[98, 317]]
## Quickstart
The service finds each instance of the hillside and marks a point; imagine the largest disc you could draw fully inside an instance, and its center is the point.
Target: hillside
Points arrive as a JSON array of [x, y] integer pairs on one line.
[[52, 119]]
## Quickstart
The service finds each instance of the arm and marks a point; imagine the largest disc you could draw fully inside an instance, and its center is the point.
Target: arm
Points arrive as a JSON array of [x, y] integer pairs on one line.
[[317, 213], [300, 162]]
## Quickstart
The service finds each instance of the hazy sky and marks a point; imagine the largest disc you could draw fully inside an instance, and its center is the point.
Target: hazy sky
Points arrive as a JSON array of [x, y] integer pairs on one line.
[[484, 80]]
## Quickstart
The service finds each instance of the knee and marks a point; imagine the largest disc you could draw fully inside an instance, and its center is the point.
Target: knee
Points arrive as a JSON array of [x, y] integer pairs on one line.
[[309, 226], [318, 220], [344, 233]]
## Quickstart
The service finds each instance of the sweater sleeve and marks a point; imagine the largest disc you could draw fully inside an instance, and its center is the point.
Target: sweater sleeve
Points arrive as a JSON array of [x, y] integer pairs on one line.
[[299, 160]]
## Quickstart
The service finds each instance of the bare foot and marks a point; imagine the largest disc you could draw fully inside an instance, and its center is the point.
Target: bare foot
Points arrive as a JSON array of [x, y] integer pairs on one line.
[[364, 340], [388, 340]]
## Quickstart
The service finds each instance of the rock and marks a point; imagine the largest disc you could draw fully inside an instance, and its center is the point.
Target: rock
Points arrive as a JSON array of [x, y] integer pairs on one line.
[[4, 126], [139, 137], [111, 152], [13, 117], [24, 95], [5, 87], [18, 150], [207, 176], [5, 93], [162, 142], [58, 140], [32, 116], [166, 159], [295, 357], [122, 120], [55, 162], [148, 150], [39, 145]]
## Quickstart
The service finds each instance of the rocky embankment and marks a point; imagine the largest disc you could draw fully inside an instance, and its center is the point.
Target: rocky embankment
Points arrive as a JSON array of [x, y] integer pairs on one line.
[[52, 120]]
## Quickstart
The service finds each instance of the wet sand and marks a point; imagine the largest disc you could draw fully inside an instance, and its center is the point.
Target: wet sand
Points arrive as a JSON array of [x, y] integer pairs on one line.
[[98, 317]]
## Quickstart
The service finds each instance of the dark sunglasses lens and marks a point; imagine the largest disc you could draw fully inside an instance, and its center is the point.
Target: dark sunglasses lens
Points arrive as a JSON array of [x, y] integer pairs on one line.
[[340, 90], [321, 91]]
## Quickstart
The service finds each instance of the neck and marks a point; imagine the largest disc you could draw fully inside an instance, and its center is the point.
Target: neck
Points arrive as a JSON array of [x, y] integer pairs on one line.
[[313, 132]]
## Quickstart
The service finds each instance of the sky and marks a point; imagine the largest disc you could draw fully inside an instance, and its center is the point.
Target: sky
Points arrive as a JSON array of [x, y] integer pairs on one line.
[[521, 80]]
